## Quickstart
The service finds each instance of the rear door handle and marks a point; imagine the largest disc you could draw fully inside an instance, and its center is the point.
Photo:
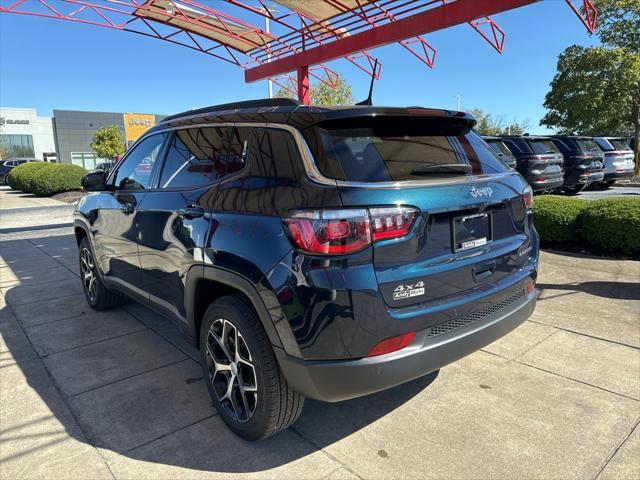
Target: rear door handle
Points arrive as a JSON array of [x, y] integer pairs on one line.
[[192, 211]]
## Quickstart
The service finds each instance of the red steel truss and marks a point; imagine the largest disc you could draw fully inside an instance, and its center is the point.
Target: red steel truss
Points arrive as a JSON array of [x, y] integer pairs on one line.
[[304, 35]]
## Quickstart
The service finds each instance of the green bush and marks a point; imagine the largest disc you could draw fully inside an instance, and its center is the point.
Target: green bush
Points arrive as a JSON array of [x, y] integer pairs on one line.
[[19, 177], [61, 178], [556, 217], [612, 224]]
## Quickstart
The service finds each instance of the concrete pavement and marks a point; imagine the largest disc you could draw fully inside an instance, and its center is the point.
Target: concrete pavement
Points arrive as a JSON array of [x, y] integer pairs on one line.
[[120, 394]]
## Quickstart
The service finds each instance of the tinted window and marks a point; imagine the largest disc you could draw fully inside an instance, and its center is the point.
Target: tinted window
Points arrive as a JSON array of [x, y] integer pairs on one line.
[[135, 171], [587, 145], [499, 147], [200, 156], [619, 144], [604, 144], [386, 149], [542, 146]]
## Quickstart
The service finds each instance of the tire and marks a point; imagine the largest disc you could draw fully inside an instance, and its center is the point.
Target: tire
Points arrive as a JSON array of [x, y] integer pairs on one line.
[[606, 185], [98, 296], [574, 190], [266, 405]]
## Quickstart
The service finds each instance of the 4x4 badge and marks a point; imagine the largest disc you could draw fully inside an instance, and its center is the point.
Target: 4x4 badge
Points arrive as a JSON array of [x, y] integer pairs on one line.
[[407, 291]]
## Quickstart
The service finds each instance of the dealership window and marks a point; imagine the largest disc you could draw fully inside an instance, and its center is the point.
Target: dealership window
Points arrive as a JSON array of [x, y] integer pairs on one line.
[[16, 146]]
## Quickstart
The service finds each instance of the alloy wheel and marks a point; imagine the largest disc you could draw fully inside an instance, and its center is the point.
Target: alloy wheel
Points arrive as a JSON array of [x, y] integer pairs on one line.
[[89, 274], [231, 370]]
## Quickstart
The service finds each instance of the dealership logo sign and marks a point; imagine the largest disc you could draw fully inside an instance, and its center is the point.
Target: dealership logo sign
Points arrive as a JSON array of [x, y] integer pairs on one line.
[[141, 122], [10, 121]]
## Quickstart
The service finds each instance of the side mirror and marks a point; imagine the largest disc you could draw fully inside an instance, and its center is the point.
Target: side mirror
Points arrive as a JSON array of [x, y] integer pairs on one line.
[[95, 181]]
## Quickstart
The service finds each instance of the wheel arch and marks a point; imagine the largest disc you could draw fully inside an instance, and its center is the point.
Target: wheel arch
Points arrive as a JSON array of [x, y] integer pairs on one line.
[[206, 284]]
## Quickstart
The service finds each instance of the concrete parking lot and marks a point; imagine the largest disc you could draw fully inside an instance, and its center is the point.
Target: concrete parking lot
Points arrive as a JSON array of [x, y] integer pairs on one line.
[[120, 394]]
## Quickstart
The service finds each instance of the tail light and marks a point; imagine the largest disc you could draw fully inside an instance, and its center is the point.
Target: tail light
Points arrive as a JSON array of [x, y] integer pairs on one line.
[[340, 232], [527, 199], [392, 344]]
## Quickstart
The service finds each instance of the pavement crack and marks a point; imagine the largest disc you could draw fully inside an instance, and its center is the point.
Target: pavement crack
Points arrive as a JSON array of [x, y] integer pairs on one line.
[[617, 448]]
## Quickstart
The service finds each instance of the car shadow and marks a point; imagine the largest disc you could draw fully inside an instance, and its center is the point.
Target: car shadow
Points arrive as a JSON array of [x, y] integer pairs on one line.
[[604, 289], [189, 446]]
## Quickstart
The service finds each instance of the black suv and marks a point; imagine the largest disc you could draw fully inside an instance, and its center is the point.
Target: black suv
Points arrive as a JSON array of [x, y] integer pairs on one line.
[[503, 152], [7, 165], [310, 251], [583, 161], [618, 159], [538, 160]]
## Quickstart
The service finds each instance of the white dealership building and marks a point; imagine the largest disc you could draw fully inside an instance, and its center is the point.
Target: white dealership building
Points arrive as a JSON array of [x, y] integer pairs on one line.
[[24, 134]]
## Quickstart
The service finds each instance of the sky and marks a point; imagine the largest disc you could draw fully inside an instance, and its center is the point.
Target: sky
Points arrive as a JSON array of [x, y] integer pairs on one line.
[[50, 64]]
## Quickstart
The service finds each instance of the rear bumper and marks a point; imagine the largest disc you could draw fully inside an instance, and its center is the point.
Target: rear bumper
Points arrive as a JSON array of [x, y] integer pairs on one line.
[[542, 183], [334, 381], [618, 175]]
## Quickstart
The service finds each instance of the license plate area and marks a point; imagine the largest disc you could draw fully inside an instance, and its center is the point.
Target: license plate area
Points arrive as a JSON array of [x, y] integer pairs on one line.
[[471, 231]]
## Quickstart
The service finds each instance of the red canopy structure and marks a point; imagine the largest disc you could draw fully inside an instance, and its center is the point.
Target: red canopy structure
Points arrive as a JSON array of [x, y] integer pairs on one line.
[[305, 34]]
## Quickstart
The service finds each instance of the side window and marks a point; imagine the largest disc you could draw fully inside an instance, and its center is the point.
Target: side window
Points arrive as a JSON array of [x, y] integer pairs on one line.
[[199, 156], [134, 173]]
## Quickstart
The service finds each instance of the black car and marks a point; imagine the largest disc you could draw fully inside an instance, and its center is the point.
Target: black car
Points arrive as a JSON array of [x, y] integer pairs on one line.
[[583, 161], [538, 160], [503, 152], [104, 166], [313, 251], [7, 165], [618, 160]]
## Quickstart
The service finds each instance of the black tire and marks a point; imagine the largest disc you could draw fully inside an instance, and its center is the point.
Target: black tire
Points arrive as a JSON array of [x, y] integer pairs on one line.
[[574, 190], [606, 185], [98, 296], [274, 406]]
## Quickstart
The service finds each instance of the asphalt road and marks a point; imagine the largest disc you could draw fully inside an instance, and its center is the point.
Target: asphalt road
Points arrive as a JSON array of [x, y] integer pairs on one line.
[[612, 192]]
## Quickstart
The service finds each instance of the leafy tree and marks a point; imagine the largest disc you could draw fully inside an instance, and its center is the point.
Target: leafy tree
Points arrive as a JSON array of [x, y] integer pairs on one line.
[[619, 24], [596, 91], [488, 124], [323, 94], [108, 142]]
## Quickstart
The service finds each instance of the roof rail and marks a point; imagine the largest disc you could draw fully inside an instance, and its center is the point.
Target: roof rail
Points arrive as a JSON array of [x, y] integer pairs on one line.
[[264, 102]]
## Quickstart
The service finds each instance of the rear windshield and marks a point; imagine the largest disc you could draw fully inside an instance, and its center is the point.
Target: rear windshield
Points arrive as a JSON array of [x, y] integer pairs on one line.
[[395, 149], [587, 145], [619, 144], [498, 146], [543, 146]]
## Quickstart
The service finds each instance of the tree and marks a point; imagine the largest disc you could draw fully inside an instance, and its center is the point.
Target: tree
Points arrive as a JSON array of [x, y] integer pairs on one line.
[[619, 24], [323, 94], [488, 124], [108, 142], [596, 91]]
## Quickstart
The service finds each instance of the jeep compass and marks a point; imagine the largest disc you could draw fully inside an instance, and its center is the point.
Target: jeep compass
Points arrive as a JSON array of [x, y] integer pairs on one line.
[[321, 252]]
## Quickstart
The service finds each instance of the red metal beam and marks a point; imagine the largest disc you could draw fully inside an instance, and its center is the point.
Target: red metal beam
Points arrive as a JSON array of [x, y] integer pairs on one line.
[[437, 18]]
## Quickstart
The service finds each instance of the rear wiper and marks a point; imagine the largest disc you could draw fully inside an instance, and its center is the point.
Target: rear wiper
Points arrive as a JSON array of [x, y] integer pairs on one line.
[[459, 168]]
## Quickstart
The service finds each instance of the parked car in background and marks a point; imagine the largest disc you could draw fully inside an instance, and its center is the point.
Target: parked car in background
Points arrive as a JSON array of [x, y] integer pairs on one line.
[[583, 161], [104, 166], [503, 152], [538, 160], [618, 160], [312, 252], [7, 165]]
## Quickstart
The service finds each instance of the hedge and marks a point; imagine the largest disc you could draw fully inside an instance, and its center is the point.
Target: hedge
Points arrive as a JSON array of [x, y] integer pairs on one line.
[[20, 176], [62, 178], [556, 217], [612, 224], [45, 179]]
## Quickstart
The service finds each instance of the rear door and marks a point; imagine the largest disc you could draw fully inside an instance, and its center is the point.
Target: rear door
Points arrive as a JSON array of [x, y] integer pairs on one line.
[[172, 223], [472, 229]]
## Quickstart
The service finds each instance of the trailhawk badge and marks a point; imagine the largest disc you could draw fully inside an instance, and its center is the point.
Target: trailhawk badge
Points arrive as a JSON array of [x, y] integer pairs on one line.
[[407, 291]]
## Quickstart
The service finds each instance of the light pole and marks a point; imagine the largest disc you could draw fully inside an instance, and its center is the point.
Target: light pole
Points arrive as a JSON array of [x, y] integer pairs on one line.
[[458, 102], [267, 24]]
